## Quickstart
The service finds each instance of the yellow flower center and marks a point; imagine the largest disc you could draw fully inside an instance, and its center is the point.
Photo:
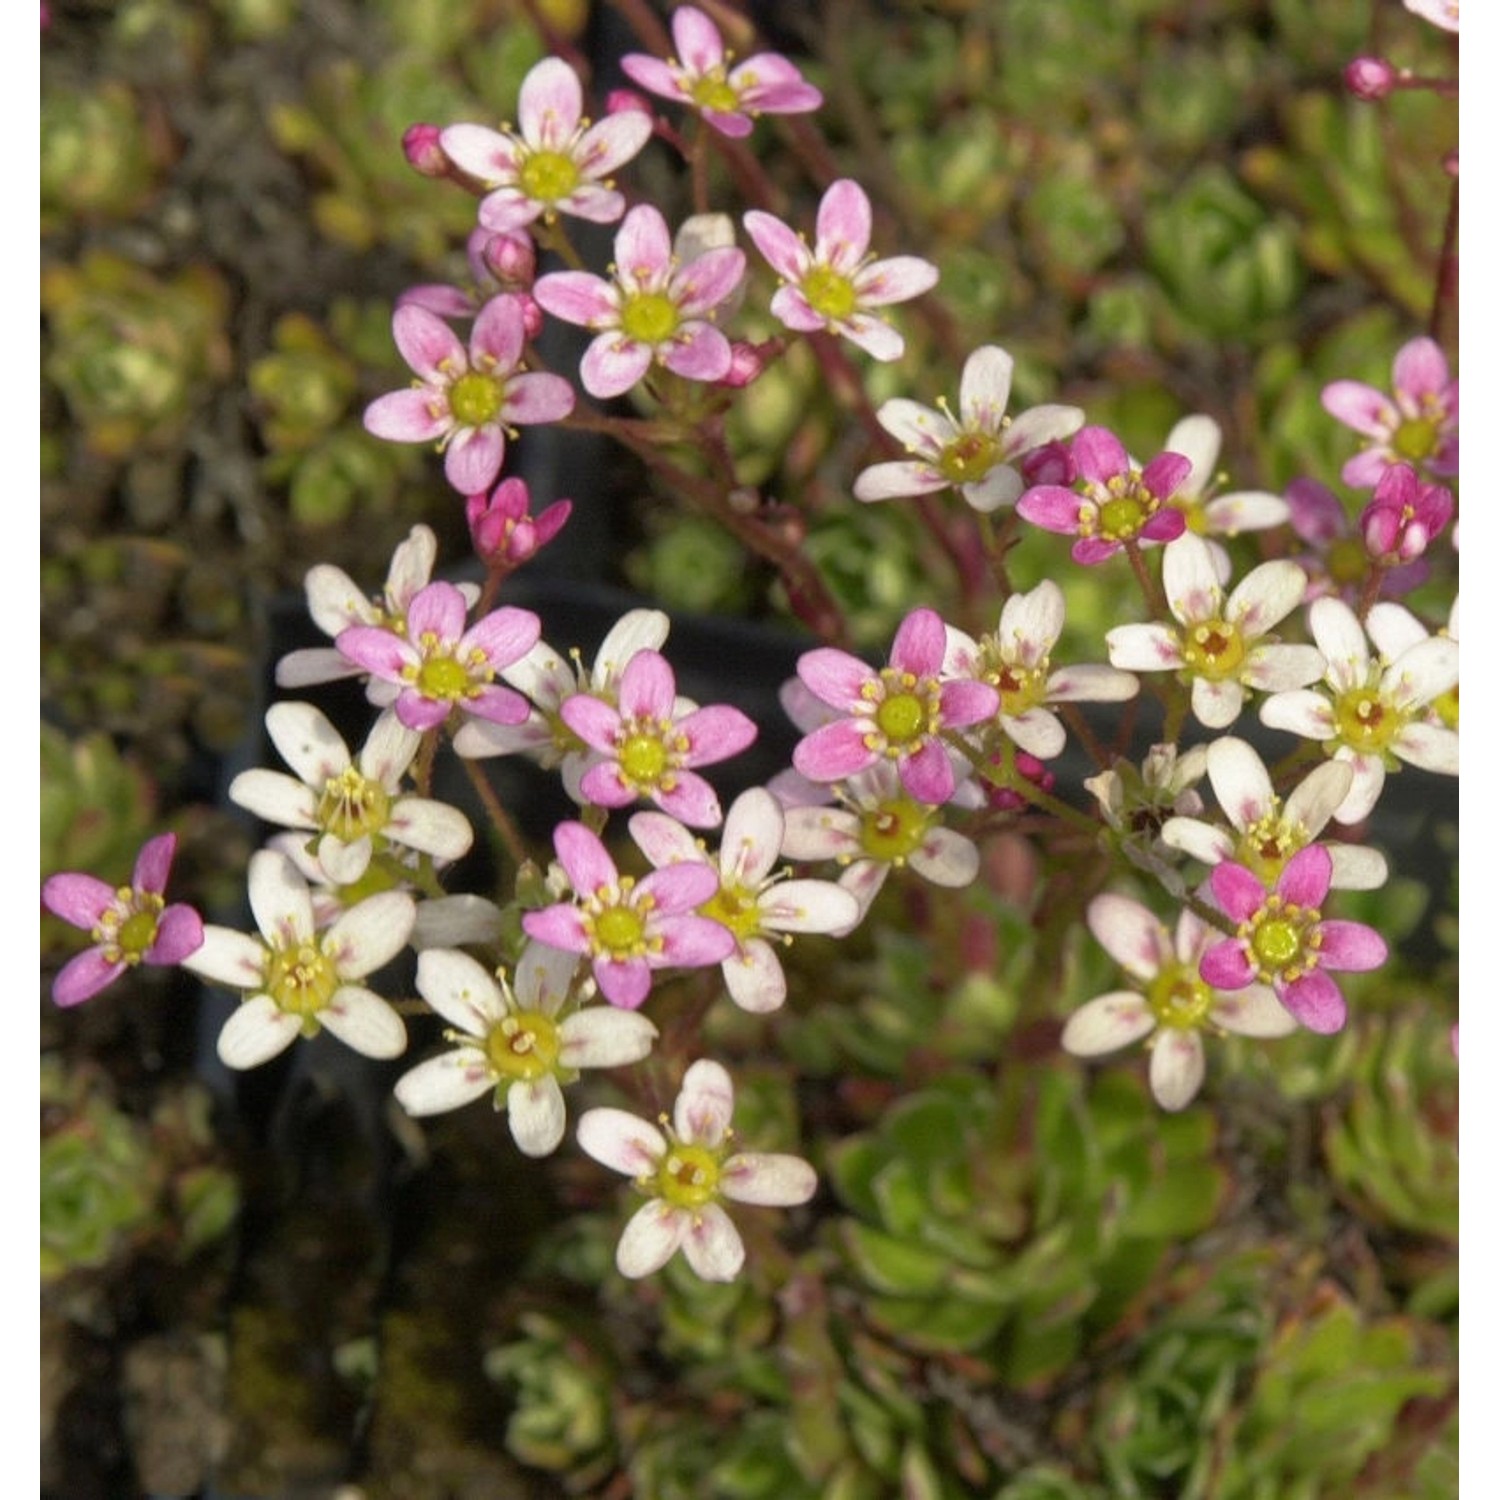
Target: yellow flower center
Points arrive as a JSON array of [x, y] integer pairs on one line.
[[475, 399], [968, 457], [1284, 940], [901, 718], [648, 753], [1266, 845], [1020, 688], [547, 176], [829, 293], [649, 317], [1416, 438], [442, 679], [523, 1047], [892, 831], [713, 91], [1213, 649], [1178, 998], [688, 1176], [737, 908], [619, 931], [1446, 705], [1366, 722], [301, 981], [352, 805]]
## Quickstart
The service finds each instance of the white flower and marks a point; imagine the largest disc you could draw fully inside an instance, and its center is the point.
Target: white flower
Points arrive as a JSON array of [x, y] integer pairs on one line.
[[1198, 439], [1016, 662], [298, 980], [357, 809], [756, 905], [879, 827], [524, 1043], [1173, 1003], [1269, 833], [336, 602], [686, 1168], [975, 452], [1373, 710], [1223, 645]]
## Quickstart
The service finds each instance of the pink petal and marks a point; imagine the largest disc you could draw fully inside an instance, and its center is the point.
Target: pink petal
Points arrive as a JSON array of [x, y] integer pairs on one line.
[[623, 982], [1420, 369], [834, 752], [690, 799], [1304, 881], [678, 888], [77, 898], [179, 932], [697, 40], [83, 976], [154, 863], [843, 225], [584, 857], [499, 334], [782, 247], [551, 104], [607, 144], [715, 733], [705, 282], [836, 677], [1051, 507], [651, 1238], [428, 345], [578, 297], [612, 364], [643, 246], [1316, 1001], [1237, 891], [408, 417], [898, 279], [536, 397], [1226, 966], [472, 460], [480, 151], [504, 636], [698, 352], [558, 926], [1351, 946], [1164, 475], [648, 688], [1360, 406], [652, 74], [920, 644], [695, 942], [1099, 455]]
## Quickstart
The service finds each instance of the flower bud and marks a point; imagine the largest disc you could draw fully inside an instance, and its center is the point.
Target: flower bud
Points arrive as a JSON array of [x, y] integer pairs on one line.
[[511, 259], [424, 151], [504, 532], [746, 362], [1369, 78], [618, 101], [1404, 516]]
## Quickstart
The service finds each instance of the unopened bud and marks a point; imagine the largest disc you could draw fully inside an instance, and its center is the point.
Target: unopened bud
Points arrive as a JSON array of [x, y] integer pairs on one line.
[[1370, 78], [424, 150], [746, 362], [511, 259], [621, 101]]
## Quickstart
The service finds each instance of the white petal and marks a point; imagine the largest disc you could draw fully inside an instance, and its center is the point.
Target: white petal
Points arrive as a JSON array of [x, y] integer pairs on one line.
[[1314, 798], [362, 1020], [1422, 673], [1341, 638], [460, 990], [637, 630], [712, 1245], [1245, 510], [1216, 705], [665, 841], [370, 934], [1038, 732], [820, 833], [622, 1141], [1091, 683], [1279, 668], [1429, 746], [1266, 596], [919, 429], [1253, 1011], [1356, 868], [1107, 1023], [229, 957], [1191, 581], [754, 976], [1240, 781], [275, 798], [307, 742], [1176, 1068], [1199, 839], [705, 1104], [1198, 439], [544, 978], [451, 921], [1130, 933], [984, 388], [807, 906], [651, 1237], [751, 841], [1394, 629], [537, 1115], [389, 750], [603, 1036], [1144, 648], [256, 1032], [430, 827], [1301, 712], [335, 601], [1364, 789], [1030, 623], [770, 1178], [279, 899], [457, 1077], [944, 857]]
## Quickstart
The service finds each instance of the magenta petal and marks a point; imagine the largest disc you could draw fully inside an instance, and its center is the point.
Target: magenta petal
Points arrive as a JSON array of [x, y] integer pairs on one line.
[[834, 752], [1089, 551], [920, 643], [78, 899], [1237, 891], [715, 733], [1165, 473], [82, 977], [473, 457], [379, 651], [691, 800], [1304, 882], [1051, 507], [1420, 369], [584, 857], [1226, 966], [835, 677], [154, 863], [559, 926], [623, 982], [179, 933], [605, 786], [408, 417], [1165, 526], [928, 774], [428, 344], [1099, 455], [1351, 945], [1316, 1001], [648, 689]]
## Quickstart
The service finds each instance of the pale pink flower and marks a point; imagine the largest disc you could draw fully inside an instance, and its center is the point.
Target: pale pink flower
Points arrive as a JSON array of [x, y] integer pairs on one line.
[[897, 713], [834, 285], [437, 665], [1264, 832], [297, 980], [1283, 940], [1417, 424], [1017, 662], [1224, 646], [1443, 13], [1198, 439], [522, 1043], [647, 749], [974, 452], [1173, 1005], [728, 97], [129, 924], [1371, 708], [357, 809], [686, 1167], [557, 163], [465, 400], [757, 903], [627, 928], [1112, 501], [652, 310]]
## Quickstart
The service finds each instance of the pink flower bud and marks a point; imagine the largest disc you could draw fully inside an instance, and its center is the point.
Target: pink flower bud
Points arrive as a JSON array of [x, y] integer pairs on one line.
[[504, 532], [1370, 78], [511, 259], [621, 101], [1404, 516], [423, 151], [1052, 463], [1003, 799], [746, 362]]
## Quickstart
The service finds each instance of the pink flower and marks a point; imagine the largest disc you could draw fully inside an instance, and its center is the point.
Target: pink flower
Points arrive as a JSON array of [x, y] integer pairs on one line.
[[1416, 424], [129, 925], [464, 400], [504, 531], [700, 75], [652, 312], [558, 163], [649, 748], [438, 665], [628, 929], [834, 285], [1404, 516], [1443, 13], [1112, 501], [685, 1168], [1339, 562], [898, 713], [1283, 940]]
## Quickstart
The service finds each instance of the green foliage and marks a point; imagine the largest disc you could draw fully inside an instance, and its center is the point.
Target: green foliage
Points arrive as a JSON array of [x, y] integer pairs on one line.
[[99, 159]]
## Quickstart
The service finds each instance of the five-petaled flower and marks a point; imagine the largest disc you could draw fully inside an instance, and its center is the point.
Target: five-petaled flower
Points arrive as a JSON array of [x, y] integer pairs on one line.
[[129, 924], [1223, 646], [465, 400], [834, 285], [297, 980], [1283, 940], [437, 665], [558, 163], [686, 1166], [1198, 439], [1112, 501], [1417, 424], [648, 748], [898, 713], [1173, 1005], [760, 907], [1374, 710], [974, 452], [628, 928], [728, 97], [356, 808], [653, 311], [520, 1041]]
